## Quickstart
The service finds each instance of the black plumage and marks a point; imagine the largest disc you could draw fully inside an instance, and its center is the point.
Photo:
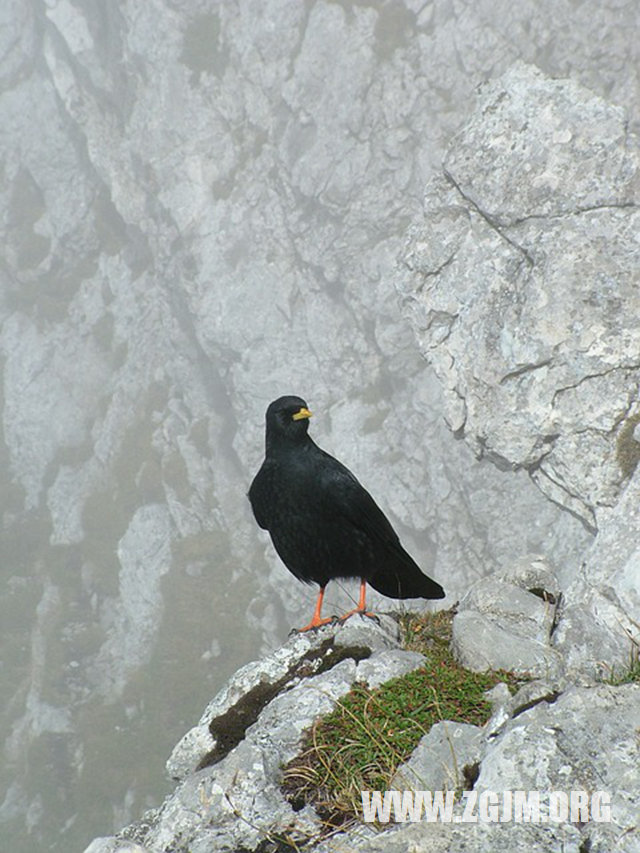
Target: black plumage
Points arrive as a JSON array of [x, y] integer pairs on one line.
[[322, 522]]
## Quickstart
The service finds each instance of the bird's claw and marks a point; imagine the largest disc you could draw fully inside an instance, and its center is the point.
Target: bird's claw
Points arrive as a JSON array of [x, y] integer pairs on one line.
[[330, 620], [363, 613]]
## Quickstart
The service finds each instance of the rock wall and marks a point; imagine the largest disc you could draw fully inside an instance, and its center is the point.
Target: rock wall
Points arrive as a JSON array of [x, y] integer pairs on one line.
[[522, 286]]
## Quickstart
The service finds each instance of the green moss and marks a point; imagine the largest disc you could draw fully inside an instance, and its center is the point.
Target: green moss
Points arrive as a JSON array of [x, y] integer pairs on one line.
[[229, 728], [360, 745], [627, 448]]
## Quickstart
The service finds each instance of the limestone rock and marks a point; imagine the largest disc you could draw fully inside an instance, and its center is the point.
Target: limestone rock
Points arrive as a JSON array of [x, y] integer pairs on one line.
[[253, 686], [500, 698], [587, 739], [532, 693], [113, 845], [522, 286], [443, 759], [599, 627], [501, 624], [474, 838]]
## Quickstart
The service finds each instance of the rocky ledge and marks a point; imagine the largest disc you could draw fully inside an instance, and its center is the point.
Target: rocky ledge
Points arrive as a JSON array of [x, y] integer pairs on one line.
[[552, 735], [521, 283]]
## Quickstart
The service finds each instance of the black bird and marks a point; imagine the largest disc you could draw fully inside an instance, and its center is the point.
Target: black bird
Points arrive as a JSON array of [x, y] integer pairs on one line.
[[322, 522]]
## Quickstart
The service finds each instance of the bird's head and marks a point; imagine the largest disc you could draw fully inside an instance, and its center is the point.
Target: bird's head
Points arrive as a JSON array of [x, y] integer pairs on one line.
[[287, 421]]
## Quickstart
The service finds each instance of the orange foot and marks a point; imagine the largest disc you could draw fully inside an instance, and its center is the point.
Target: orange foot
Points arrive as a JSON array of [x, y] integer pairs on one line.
[[315, 623], [367, 613], [316, 619], [361, 608]]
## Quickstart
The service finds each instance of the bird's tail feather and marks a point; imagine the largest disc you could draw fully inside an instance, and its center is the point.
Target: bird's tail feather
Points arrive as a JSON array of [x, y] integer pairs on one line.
[[405, 580]]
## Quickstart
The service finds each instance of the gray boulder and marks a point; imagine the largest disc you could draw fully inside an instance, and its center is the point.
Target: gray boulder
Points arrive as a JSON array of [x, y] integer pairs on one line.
[[442, 759], [505, 621], [587, 739]]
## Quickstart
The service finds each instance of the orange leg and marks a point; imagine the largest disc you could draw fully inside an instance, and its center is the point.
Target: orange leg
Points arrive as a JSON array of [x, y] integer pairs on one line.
[[361, 608], [316, 619]]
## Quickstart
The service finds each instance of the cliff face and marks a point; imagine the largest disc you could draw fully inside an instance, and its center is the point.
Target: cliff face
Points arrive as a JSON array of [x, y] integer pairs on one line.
[[522, 287], [527, 302], [521, 282]]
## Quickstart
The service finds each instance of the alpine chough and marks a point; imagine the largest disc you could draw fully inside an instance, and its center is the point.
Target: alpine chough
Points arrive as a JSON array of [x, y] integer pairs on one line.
[[322, 522]]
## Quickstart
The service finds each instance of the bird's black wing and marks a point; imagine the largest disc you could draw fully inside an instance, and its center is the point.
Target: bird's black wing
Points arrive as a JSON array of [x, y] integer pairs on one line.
[[260, 496], [344, 497], [394, 573]]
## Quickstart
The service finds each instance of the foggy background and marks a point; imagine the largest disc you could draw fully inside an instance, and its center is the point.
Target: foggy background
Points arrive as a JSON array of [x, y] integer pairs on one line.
[[203, 206]]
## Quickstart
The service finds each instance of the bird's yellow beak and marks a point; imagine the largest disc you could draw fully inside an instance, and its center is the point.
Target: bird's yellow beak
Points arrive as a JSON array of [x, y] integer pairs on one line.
[[301, 414]]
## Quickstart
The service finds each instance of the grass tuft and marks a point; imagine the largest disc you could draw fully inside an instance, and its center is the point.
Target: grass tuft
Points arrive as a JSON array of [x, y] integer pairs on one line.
[[360, 745], [627, 676]]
